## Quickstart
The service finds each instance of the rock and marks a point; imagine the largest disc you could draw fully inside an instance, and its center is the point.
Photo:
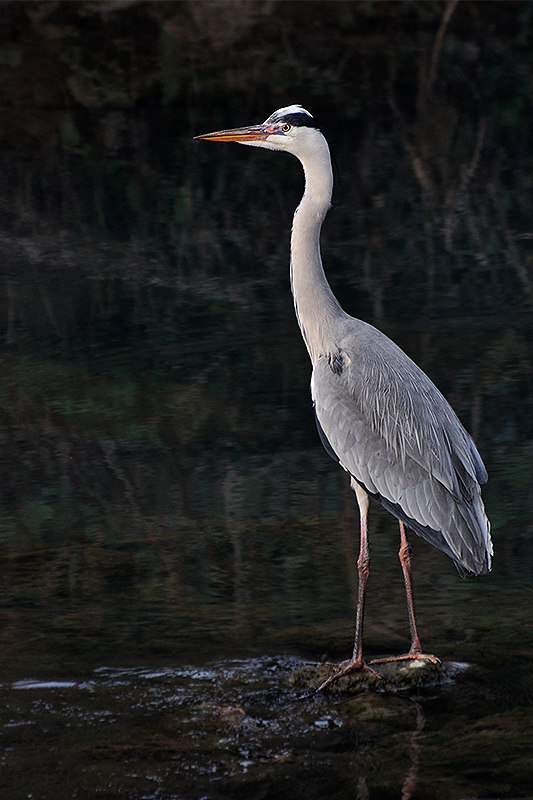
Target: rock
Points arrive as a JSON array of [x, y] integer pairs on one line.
[[392, 676]]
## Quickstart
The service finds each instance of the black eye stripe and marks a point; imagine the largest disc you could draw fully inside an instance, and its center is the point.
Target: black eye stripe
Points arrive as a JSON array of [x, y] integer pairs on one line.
[[297, 119], [300, 120]]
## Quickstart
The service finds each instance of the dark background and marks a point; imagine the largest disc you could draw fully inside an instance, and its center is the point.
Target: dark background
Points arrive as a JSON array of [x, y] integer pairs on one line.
[[163, 494]]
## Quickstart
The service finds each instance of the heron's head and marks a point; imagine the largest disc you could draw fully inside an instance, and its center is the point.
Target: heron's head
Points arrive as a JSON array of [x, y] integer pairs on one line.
[[292, 129]]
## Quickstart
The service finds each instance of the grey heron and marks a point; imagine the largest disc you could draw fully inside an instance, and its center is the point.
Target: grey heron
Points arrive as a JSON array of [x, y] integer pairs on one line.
[[377, 412]]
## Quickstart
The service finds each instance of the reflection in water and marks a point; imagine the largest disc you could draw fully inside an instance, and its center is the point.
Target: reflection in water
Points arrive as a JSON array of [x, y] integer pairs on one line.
[[233, 494], [227, 726], [411, 779]]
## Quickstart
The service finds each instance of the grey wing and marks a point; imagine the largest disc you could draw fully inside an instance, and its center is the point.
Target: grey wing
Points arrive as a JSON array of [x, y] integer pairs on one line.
[[393, 431]]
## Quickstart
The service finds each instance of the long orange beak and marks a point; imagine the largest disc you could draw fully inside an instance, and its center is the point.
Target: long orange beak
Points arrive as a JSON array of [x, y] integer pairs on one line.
[[253, 133]]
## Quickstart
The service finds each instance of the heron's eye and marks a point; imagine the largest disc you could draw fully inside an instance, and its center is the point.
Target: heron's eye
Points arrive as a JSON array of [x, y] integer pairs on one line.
[[286, 128]]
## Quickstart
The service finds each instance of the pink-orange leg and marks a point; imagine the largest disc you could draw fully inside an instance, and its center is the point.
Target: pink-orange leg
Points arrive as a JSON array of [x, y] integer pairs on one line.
[[416, 648], [363, 569]]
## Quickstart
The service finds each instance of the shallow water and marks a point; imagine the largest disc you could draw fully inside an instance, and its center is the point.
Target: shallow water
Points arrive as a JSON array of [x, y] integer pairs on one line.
[[237, 727], [153, 725]]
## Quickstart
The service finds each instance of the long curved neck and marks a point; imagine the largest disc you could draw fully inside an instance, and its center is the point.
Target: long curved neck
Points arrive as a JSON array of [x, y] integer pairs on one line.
[[317, 309]]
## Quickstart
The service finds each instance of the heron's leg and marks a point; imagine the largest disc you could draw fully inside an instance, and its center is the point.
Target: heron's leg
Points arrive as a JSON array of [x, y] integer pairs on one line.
[[363, 569], [404, 555]]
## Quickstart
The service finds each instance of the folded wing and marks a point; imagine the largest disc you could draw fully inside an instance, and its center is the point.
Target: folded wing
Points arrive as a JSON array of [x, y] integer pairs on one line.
[[387, 424]]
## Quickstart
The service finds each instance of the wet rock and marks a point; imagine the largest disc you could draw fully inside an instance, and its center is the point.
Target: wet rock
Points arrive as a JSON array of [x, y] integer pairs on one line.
[[391, 676]]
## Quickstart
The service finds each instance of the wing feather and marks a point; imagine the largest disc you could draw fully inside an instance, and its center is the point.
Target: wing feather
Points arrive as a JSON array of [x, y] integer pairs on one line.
[[394, 432]]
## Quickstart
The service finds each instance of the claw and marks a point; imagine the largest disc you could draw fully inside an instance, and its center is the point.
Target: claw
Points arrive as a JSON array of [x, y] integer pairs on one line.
[[344, 669]]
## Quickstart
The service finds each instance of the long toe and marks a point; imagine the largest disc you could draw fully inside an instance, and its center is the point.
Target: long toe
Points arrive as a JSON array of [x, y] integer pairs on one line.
[[411, 656], [344, 669]]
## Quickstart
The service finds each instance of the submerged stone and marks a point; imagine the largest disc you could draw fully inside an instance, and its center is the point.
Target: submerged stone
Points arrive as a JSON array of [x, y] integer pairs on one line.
[[391, 676]]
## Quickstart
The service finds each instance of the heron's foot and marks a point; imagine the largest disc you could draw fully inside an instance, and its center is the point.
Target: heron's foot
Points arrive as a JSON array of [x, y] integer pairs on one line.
[[412, 655], [344, 669]]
